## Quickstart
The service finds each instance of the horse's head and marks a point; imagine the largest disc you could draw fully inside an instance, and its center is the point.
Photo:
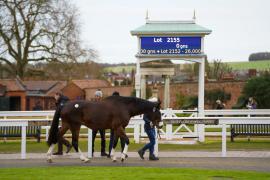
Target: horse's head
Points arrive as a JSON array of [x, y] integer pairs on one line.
[[155, 115]]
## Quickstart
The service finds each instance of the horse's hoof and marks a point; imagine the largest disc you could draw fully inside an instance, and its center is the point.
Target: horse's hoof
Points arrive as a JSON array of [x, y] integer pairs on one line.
[[86, 160], [49, 160], [123, 157], [114, 160], [82, 158]]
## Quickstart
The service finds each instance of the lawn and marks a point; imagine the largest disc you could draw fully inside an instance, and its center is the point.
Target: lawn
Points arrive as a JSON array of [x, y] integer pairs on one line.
[[119, 69], [126, 173], [259, 65], [240, 65], [211, 144]]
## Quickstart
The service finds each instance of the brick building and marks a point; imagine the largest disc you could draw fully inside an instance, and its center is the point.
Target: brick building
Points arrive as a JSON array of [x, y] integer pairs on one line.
[[13, 95], [42, 93], [76, 88], [186, 89]]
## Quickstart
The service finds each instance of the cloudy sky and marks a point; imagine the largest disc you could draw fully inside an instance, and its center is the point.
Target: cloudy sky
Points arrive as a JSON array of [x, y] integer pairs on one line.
[[239, 27]]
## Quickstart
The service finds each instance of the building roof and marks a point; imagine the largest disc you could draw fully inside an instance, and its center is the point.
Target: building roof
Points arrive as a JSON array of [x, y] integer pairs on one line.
[[43, 88], [39, 85], [170, 27], [91, 83], [57, 88], [12, 84]]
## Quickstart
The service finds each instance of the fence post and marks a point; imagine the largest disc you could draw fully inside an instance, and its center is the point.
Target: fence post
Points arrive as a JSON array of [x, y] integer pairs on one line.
[[137, 132], [169, 131], [89, 143], [224, 132], [47, 132], [23, 143], [195, 127]]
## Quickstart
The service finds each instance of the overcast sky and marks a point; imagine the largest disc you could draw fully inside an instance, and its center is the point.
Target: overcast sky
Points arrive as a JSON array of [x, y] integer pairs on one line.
[[239, 27]]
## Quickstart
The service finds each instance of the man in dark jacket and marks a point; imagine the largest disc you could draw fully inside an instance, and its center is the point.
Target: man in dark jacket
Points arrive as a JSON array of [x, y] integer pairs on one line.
[[122, 140], [60, 102], [151, 133], [102, 132]]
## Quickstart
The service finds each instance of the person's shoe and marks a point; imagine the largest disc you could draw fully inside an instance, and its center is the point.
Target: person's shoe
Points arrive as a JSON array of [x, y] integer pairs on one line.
[[104, 154], [69, 147], [58, 153], [153, 158], [109, 156], [141, 153]]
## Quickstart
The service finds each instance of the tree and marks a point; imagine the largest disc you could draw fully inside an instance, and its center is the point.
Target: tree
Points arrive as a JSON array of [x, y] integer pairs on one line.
[[65, 71], [218, 69], [190, 102], [258, 88], [207, 68], [259, 56], [213, 95], [180, 100], [39, 31]]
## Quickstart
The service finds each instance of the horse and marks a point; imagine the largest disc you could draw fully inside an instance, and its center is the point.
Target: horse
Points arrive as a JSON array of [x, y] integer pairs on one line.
[[114, 112]]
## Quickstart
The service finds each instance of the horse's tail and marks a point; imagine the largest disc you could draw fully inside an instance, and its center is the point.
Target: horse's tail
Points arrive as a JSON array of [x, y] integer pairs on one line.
[[53, 134]]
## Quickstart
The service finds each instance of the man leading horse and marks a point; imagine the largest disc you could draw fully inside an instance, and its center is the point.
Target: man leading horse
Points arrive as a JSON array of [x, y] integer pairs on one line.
[[113, 112]]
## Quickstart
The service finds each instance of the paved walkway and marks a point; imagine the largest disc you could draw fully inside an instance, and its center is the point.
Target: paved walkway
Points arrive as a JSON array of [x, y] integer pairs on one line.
[[171, 154], [236, 160]]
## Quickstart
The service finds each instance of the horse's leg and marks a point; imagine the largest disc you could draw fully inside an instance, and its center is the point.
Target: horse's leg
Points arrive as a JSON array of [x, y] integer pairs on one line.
[[61, 132], [121, 132], [61, 138], [115, 137], [49, 153], [75, 142]]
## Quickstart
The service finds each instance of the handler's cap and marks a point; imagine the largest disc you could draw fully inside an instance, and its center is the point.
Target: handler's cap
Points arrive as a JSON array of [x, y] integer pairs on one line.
[[98, 93], [153, 99]]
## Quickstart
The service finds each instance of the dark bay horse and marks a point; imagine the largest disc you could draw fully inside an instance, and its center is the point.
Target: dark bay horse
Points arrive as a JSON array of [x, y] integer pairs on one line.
[[113, 112]]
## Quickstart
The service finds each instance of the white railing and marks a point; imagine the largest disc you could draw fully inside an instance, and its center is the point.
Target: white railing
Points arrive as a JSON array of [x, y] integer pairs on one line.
[[240, 112], [22, 118]]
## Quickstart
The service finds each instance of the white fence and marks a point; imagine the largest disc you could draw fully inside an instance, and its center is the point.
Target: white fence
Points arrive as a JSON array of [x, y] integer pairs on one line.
[[22, 118]]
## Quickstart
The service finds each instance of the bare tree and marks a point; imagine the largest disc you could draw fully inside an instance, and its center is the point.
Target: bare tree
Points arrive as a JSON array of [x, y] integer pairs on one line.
[[38, 31], [218, 69]]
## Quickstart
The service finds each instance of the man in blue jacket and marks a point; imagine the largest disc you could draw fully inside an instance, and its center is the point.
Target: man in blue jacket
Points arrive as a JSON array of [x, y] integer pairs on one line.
[[151, 133]]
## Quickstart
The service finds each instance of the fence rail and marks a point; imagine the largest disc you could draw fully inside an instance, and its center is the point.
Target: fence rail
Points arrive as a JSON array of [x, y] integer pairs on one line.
[[229, 117]]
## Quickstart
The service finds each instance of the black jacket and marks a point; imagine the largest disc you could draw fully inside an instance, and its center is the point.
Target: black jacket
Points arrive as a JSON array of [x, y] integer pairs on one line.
[[61, 101]]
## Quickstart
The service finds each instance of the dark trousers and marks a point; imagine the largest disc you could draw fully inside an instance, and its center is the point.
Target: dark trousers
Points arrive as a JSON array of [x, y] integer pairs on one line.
[[62, 141], [103, 140], [122, 140], [151, 133], [60, 145]]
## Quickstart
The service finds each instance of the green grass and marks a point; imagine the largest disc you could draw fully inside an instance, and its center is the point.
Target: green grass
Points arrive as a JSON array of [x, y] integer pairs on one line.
[[210, 145], [119, 69], [259, 65], [244, 65], [128, 173]]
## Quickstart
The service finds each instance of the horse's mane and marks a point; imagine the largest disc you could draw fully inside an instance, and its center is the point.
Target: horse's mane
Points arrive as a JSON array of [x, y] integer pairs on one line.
[[144, 104]]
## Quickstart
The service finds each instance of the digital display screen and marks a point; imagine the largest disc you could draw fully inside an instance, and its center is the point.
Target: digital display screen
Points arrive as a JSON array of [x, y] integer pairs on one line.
[[174, 45]]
